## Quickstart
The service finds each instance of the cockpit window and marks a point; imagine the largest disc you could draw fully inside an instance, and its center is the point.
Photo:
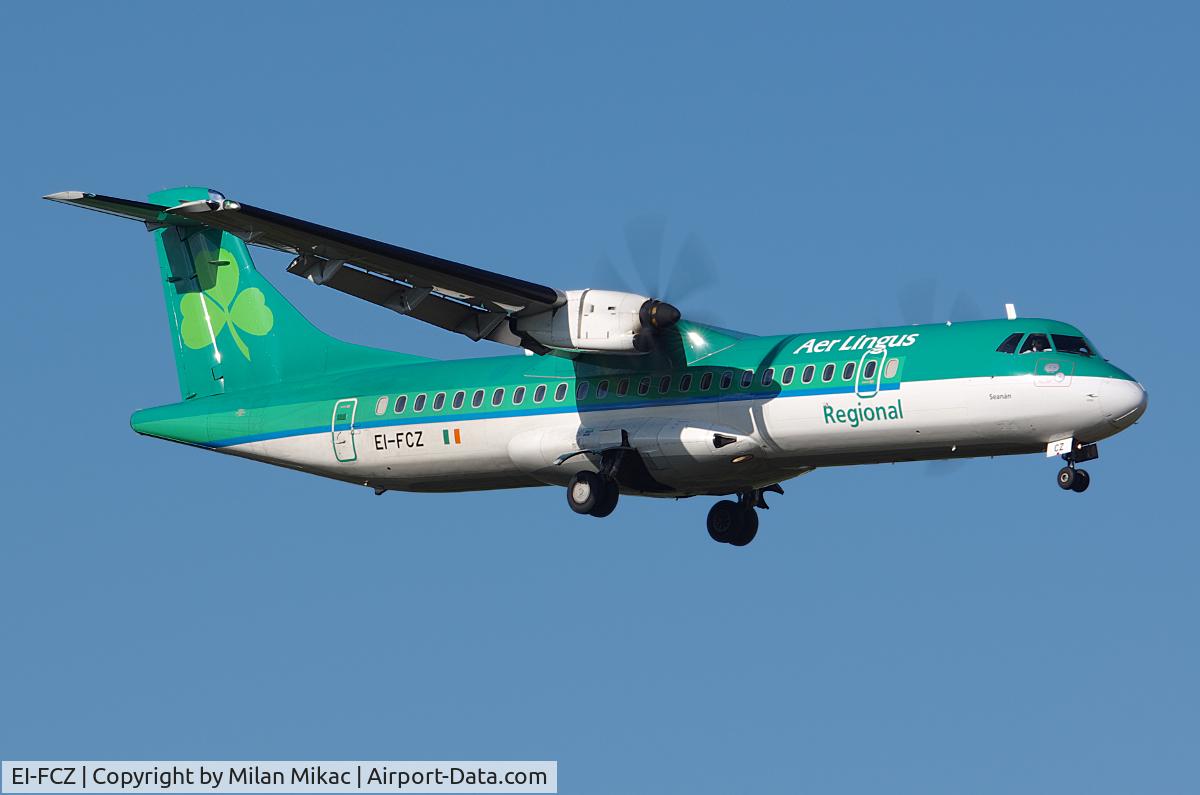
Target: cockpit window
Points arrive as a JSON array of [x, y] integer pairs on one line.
[[1065, 343], [1036, 343], [1010, 343]]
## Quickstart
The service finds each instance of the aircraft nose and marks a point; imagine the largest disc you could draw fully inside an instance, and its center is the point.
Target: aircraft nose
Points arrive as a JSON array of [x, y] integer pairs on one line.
[[1123, 402]]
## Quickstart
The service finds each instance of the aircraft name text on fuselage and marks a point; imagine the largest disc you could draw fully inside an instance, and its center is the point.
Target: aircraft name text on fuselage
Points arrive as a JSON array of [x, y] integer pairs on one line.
[[858, 342]]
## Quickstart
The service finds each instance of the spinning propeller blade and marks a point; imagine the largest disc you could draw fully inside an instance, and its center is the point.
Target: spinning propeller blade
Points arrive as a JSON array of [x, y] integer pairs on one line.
[[693, 272]]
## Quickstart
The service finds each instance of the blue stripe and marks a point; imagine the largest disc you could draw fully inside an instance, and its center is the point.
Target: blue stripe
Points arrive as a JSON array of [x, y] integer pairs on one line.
[[447, 417]]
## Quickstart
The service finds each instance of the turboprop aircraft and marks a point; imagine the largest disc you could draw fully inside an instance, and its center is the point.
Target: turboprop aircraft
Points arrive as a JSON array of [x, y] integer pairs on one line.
[[617, 393]]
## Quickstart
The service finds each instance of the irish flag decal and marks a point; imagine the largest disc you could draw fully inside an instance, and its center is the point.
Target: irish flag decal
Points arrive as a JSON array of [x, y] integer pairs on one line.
[[451, 436]]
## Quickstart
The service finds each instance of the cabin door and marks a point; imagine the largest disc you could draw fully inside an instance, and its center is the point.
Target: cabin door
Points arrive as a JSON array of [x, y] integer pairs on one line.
[[342, 430]]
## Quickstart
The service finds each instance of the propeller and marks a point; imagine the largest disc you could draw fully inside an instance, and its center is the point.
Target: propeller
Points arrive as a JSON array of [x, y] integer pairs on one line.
[[918, 301], [694, 270], [644, 238]]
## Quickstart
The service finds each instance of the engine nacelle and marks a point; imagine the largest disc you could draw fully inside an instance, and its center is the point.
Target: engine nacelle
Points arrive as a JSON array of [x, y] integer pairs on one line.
[[600, 320]]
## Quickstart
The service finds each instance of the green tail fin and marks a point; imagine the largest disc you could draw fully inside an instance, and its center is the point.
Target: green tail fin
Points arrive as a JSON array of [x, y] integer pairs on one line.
[[231, 328]]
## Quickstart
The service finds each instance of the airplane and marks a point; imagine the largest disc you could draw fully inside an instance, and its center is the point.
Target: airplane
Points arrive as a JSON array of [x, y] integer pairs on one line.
[[616, 393]]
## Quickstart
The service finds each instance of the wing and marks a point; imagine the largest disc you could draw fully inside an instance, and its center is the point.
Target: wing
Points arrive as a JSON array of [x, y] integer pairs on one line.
[[460, 298]]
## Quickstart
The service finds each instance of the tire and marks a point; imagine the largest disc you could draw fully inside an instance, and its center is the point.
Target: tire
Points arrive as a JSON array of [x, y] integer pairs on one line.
[[1082, 481], [747, 528], [607, 503], [584, 491], [722, 520], [1066, 478]]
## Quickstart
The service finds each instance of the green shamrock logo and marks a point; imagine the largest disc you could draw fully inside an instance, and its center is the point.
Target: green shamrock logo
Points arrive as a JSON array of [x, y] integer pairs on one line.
[[222, 307]]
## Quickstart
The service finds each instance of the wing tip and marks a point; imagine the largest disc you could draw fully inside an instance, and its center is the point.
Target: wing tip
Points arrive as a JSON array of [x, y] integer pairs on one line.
[[66, 196]]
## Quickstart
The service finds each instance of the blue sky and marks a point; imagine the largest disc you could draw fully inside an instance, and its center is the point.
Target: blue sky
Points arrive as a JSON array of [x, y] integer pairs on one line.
[[893, 628]]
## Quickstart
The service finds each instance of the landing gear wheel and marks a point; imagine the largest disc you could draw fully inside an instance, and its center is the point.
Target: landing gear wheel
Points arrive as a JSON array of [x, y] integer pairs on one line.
[[1066, 478], [584, 491], [1082, 481], [747, 529], [722, 519], [593, 494], [608, 501], [732, 523]]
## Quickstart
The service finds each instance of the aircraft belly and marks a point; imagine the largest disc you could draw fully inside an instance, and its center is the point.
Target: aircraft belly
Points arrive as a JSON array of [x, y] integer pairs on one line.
[[674, 443]]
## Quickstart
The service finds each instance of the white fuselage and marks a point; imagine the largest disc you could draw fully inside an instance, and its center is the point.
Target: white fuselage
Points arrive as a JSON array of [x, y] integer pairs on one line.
[[764, 439]]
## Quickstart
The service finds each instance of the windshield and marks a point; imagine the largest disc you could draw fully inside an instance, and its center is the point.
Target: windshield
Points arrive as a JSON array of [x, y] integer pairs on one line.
[[1065, 343], [1036, 343]]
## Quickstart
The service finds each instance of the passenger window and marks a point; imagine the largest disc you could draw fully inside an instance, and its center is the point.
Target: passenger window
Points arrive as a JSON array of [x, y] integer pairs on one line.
[[623, 387], [439, 400], [1010, 343], [460, 397], [498, 396], [848, 372], [806, 376], [581, 390], [518, 396], [747, 378], [1035, 343], [400, 401], [419, 403], [869, 370], [644, 386], [705, 382], [685, 383], [664, 385], [601, 390], [1064, 343], [560, 392], [539, 394], [768, 376], [891, 368], [788, 374], [477, 399], [827, 373], [726, 379], [381, 406]]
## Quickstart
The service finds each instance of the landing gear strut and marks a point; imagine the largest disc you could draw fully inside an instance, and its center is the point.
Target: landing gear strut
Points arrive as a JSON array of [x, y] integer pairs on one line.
[[593, 494], [1069, 477]]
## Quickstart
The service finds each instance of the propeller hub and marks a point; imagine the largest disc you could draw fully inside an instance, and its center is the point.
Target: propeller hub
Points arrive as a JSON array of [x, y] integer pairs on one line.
[[658, 315]]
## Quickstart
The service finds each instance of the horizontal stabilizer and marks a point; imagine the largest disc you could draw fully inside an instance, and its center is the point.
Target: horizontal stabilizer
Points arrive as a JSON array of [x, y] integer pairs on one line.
[[150, 214], [460, 298]]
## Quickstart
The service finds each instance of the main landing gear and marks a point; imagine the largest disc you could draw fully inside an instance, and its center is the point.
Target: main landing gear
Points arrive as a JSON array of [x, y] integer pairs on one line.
[[729, 521], [736, 523], [593, 494], [733, 523], [1072, 479]]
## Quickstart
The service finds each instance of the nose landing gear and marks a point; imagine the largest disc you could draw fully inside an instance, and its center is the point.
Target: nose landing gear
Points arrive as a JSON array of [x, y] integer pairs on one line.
[[1072, 479], [1077, 480]]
